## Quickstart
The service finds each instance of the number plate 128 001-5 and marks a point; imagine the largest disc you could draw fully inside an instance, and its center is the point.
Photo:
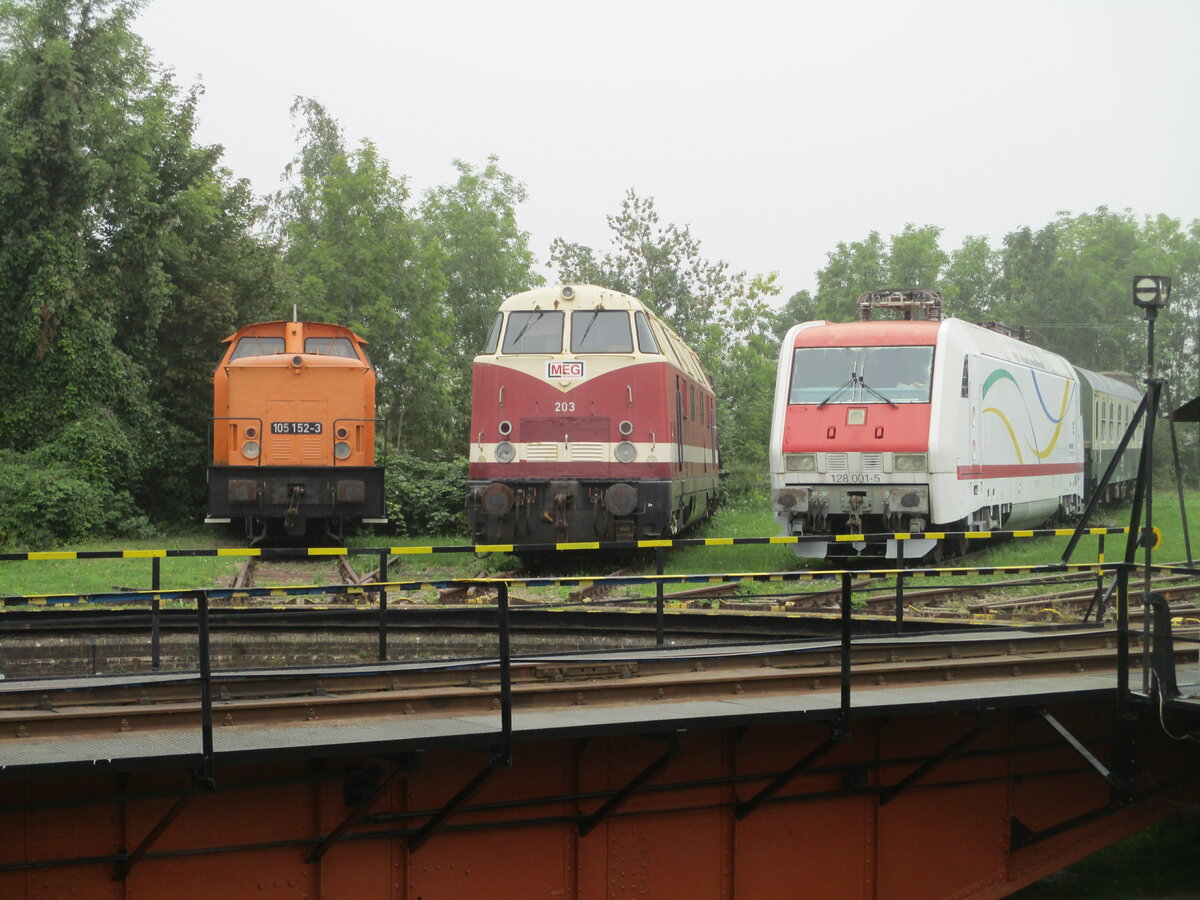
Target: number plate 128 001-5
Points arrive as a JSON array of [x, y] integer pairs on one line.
[[295, 428]]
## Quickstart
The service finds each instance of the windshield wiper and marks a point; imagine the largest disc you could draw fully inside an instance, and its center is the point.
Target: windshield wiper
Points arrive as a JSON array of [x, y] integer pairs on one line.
[[583, 337], [862, 382], [853, 380], [521, 333]]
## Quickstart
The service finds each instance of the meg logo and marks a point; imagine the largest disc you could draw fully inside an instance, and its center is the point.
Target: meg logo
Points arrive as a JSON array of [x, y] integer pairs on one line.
[[564, 368]]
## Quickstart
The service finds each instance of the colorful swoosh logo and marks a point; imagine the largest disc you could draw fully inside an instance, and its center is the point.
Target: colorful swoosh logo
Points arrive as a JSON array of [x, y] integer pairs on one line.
[[1003, 375]]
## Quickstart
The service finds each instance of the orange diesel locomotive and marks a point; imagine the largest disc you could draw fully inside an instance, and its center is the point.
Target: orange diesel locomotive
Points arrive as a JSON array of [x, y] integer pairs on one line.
[[293, 431]]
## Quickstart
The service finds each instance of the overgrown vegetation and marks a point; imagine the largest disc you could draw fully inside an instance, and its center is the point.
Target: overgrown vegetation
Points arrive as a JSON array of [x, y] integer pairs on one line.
[[426, 497], [128, 252]]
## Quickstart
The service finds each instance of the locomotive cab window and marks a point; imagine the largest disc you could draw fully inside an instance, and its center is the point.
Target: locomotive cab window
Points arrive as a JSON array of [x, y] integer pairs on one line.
[[494, 336], [330, 346], [600, 331], [535, 331], [861, 375], [257, 346], [646, 341]]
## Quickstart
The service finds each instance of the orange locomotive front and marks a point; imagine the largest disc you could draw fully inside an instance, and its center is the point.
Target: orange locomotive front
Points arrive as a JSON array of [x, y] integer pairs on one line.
[[293, 431]]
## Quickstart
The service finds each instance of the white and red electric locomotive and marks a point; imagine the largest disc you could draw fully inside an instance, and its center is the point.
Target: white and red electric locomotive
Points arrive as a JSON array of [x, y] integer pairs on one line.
[[591, 420], [931, 425]]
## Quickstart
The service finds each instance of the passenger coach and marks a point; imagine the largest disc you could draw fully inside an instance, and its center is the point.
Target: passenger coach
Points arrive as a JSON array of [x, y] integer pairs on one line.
[[590, 420]]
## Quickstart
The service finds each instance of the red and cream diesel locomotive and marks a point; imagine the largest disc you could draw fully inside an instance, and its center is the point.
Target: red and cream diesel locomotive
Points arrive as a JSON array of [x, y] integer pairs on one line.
[[293, 431], [590, 420], [932, 425]]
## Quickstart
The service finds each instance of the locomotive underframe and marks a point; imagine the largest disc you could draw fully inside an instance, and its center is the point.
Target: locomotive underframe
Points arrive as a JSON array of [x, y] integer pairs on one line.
[[854, 509], [296, 495], [569, 510], [866, 509]]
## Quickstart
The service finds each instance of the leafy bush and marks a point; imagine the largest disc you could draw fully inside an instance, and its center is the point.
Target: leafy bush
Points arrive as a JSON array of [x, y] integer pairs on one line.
[[746, 486], [424, 497], [45, 502]]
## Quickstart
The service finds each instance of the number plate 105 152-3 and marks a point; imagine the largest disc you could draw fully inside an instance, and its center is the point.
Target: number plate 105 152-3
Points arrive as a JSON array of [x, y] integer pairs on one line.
[[295, 428]]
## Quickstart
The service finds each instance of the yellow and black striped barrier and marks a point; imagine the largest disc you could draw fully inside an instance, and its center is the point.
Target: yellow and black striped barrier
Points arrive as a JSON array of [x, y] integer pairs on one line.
[[308, 552], [147, 597]]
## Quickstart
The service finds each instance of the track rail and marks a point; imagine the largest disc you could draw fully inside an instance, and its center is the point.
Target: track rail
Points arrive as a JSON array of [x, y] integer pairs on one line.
[[245, 697]]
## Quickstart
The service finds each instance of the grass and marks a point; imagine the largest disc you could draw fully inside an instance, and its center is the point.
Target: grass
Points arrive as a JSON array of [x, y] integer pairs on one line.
[[1160, 861]]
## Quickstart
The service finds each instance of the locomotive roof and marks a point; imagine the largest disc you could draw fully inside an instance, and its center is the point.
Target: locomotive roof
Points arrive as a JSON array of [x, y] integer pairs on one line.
[[271, 326], [575, 296], [590, 296], [873, 333]]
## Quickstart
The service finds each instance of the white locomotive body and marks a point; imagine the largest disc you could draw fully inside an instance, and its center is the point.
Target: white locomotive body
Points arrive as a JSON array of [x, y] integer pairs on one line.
[[916, 426]]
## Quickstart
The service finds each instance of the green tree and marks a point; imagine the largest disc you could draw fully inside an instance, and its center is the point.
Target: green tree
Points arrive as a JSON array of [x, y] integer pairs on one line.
[[968, 282], [106, 207], [355, 253], [723, 315], [852, 269], [914, 258], [485, 258]]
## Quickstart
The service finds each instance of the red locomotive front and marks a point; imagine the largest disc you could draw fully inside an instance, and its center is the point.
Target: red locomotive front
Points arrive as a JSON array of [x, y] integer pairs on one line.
[[591, 420]]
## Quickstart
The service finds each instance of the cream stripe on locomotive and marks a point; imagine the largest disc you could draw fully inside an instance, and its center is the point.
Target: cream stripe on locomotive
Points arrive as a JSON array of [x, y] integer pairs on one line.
[[595, 451]]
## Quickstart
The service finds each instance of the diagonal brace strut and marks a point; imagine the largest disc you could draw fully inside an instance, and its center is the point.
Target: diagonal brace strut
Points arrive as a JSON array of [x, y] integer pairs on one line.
[[982, 724], [615, 801], [470, 789], [743, 808], [1107, 774]]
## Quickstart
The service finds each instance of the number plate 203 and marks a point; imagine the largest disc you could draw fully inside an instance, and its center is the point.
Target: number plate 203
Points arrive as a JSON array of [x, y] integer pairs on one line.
[[295, 428], [855, 478]]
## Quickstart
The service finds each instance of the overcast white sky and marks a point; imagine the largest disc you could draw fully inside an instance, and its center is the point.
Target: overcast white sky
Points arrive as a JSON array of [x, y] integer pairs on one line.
[[773, 129]]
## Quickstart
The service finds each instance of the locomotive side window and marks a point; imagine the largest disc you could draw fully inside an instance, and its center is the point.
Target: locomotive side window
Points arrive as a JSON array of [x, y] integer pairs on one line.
[[257, 346], [535, 331], [493, 336], [861, 375], [646, 341], [665, 341], [330, 346], [600, 331]]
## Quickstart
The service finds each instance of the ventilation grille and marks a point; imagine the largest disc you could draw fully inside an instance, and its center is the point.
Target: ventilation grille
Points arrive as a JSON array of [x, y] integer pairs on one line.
[[541, 452], [586, 451]]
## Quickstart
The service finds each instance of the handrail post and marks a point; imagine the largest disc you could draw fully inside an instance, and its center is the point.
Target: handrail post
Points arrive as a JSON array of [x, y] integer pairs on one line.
[[900, 586], [844, 715], [383, 608], [505, 675], [207, 774], [660, 557], [155, 608], [1123, 634]]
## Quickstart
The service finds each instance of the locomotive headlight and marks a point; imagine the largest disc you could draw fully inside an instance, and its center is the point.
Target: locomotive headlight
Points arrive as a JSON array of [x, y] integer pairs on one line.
[[250, 449], [341, 450], [505, 452], [800, 462], [910, 462], [625, 452]]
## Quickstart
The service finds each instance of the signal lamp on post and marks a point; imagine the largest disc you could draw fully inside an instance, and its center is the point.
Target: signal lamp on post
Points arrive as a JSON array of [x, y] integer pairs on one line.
[[1151, 292]]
